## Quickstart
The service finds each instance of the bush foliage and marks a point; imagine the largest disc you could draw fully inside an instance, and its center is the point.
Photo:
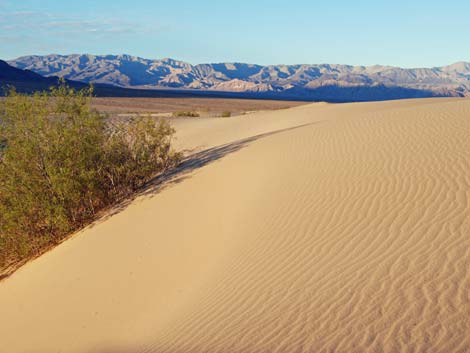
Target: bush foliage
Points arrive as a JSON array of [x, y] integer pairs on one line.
[[61, 162], [181, 113]]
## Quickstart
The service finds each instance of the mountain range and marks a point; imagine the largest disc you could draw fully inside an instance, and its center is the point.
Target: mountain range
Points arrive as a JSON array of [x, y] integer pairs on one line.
[[307, 81], [27, 81]]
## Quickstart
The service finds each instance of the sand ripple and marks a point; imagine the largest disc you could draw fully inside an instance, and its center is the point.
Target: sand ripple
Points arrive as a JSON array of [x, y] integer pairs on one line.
[[348, 234]]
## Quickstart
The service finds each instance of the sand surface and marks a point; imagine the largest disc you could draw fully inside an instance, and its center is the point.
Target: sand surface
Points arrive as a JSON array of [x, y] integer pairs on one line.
[[321, 228]]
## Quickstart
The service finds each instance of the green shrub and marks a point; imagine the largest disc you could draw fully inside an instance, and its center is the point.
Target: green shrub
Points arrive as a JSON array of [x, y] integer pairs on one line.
[[61, 162], [226, 114], [185, 114]]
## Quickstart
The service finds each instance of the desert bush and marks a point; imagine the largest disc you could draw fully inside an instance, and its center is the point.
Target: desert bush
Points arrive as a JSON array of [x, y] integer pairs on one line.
[[226, 114], [191, 114], [61, 162]]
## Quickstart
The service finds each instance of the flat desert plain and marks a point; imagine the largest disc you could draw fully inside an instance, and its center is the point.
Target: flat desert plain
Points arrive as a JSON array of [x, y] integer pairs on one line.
[[203, 106], [320, 228]]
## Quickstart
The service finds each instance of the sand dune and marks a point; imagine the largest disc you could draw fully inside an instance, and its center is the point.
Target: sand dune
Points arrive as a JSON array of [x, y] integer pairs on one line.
[[321, 228]]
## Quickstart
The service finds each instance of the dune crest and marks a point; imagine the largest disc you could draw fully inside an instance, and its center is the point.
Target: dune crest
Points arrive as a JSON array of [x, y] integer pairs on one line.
[[321, 228]]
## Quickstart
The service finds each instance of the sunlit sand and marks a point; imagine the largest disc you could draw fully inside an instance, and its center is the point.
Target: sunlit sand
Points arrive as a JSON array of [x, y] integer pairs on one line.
[[320, 228]]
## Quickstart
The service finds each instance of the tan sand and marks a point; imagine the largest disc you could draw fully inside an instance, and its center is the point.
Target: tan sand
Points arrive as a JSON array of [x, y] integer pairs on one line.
[[349, 233]]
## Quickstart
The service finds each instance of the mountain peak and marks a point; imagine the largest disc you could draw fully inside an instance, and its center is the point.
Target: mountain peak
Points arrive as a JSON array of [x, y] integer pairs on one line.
[[460, 66]]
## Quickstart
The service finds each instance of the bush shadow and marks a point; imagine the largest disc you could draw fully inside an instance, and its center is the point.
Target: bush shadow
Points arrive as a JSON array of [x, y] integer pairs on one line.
[[193, 161]]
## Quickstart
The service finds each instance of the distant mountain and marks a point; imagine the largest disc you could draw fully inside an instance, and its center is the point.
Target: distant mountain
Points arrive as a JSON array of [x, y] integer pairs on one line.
[[24, 80], [29, 81], [315, 82]]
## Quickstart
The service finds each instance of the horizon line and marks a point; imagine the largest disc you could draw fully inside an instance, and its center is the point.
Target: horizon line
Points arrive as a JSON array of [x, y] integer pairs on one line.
[[240, 62]]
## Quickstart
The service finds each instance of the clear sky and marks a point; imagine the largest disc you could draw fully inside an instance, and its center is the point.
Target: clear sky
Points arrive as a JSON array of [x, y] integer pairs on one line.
[[412, 33]]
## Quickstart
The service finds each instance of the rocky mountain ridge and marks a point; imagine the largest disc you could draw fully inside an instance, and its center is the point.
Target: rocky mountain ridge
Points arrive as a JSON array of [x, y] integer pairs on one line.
[[310, 81]]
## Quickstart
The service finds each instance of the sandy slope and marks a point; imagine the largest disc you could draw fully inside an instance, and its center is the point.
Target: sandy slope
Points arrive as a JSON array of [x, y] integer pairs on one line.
[[350, 233]]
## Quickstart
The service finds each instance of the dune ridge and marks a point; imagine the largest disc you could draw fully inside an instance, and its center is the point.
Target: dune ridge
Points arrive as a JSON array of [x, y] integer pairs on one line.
[[321, 228]]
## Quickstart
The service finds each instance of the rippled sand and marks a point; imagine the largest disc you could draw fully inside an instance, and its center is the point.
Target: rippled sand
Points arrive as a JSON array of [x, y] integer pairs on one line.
[[321, 228]]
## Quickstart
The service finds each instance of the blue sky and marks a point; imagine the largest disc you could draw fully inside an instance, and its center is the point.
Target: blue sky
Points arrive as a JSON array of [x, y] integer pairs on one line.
[[402, 33]]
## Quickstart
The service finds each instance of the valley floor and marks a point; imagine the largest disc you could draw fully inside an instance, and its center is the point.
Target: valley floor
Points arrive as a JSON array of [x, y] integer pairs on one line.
[[320, 228], [205, 107]]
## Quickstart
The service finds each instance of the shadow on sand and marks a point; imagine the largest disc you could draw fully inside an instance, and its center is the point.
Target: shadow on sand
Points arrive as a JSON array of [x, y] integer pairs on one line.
[[194, 161]]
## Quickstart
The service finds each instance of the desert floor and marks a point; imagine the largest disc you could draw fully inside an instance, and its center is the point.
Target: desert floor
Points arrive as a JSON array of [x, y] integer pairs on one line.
[[206, 107], [320, 228]]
